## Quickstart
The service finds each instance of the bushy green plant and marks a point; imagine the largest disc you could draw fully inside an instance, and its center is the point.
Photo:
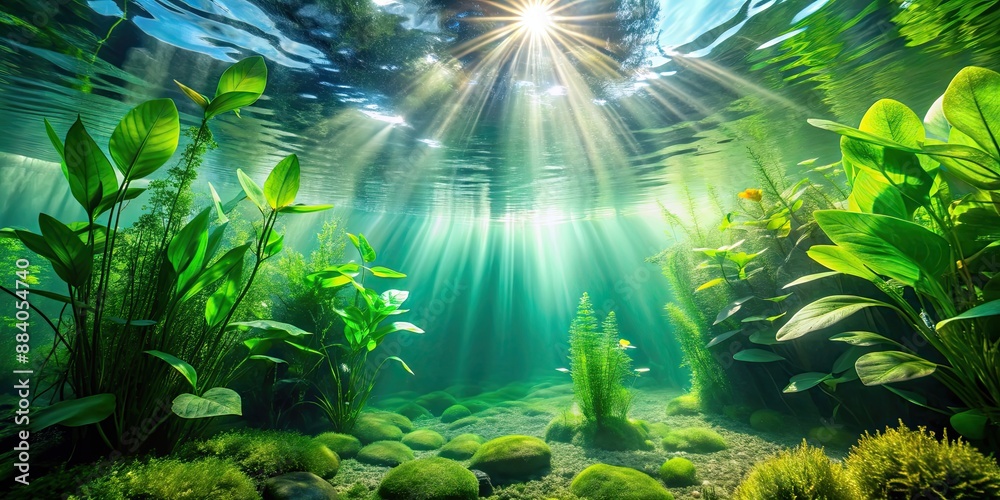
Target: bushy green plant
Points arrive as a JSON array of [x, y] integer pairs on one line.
[[903, 463], [563, 427], [262, 454], [803, 473], [164, 479]]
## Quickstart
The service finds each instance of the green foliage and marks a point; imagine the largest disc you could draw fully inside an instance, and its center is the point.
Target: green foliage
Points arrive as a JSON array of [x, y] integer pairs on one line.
[[454, 412], [170, 478], [386, 453], [687, 404], [461, 447], [678, 472], [903, 463], [429, 479], [804, 473], [607, 482], [512, 458], [562, 428], [694, 440], [424, 439], [263, 454], [615, 435], [344, 445]]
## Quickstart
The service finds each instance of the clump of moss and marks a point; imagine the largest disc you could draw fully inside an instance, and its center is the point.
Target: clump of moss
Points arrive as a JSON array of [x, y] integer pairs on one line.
[[512, 458], [171, 478], [694, 440], [370, 428], [393, 418], [429, 479], [766, 420], [455, 412], [461, 447], [436, 402], [387, 453], [262, 454], [607, 482], [413, 411], [463, 422], [658, 429], [678, 472], [562, 428], [344, 445], [423, 439], [614, 435], [802, 473], [832, 436], [475, 405], [903, 463], [687, 404]]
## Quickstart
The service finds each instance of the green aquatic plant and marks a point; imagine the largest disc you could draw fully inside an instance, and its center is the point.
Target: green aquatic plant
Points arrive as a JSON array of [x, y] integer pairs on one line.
[[171, 478], [903, 463], [262, 454], [931, 253], [803, 473]]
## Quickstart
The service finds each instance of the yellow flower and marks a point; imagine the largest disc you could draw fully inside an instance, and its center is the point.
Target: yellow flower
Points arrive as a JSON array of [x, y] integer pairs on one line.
[[752, 194]]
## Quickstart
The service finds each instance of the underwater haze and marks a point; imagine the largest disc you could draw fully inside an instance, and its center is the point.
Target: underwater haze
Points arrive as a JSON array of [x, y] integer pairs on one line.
[[511, 249]]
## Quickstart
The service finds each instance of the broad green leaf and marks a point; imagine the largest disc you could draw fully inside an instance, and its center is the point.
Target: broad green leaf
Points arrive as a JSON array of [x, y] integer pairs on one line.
[[824, 312], [971, 424], [899, 249], [972, 105], [840, 260], [709, 284], [721, 338], [367, 252], [304, 209], [145, 138], [847, 359], [61, 298], [968, 163], [355, 241], [810, 277], [215, 402], [779, 298], [854, 133], [873, 196], [57, 143], [991, 308], [192, 94], [275, 242], [271, 326], [282, 184], [863, 339], [217, 202], [910, 396], [109, 200], [258, 342], [223, 267], [731, 309], [253, 191], [268, 358], [763, 337], [215, 240], [230, 101], [398, 326], [805, 381], [394, 298], [757, 356], [74, 412], [134, 322], [76, 259], [302, 348], [401, 362], [180, 365], [221, 302], [187, 250], [84, 164], [385, 272], [246, 75], [887, 367]]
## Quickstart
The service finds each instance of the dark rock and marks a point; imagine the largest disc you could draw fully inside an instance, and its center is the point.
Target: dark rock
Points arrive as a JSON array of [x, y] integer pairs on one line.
[[485, 486], [298, 486]]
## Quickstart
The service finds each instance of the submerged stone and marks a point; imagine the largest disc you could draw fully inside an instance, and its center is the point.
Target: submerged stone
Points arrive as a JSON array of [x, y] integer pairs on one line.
[[298, 486]]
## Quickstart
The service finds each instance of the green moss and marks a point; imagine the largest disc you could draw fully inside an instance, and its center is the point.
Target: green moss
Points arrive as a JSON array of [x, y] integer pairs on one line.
[[455, 412], [370, 428], [768, 421], [344, 445], [357, 491], [475, 405], [423, 439], [678, 472], [607, 482], [658, 429], [615, 435], [436, 402], [171, 478], [562, 428], [512, 458], [830, 436], [902, 463], [687, 404], [262, 454], [429, 479], [694, 440], [804, 473], [393, 418], [463, 422], [461, 447], [413, 411], [387, 453]]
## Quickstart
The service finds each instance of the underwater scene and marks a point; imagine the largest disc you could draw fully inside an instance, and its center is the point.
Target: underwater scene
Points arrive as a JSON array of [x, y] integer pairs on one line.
[[503, 249]]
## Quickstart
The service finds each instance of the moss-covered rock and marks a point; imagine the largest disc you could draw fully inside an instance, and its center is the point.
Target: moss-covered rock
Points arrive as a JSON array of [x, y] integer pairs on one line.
[[413, 411], [429, 479], [475, 405], [658, 429], [436, 402], [262, 454], [513, 458], [393, 418], [298, 486], [463, 422], [455, 412], [766, 420], [164, 479], [386, 453], [614, 435], [803, 473], [562, 428], [607, 482], [370, 428], [678, 472], [461, 447], [423, 439], [344, 445], [684, 405], [694, 440]]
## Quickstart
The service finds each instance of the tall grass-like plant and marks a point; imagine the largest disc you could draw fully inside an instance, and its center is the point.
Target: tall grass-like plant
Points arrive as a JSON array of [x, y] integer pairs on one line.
[[599, 367]]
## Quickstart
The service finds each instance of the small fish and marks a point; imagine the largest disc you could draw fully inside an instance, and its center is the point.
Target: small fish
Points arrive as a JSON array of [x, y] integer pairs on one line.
[[564, 370], [641, 370], [810, 161], [752, 194], [624, 344]]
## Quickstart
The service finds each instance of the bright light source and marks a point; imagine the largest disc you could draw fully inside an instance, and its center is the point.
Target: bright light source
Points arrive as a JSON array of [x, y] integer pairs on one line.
[[536, 17]]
